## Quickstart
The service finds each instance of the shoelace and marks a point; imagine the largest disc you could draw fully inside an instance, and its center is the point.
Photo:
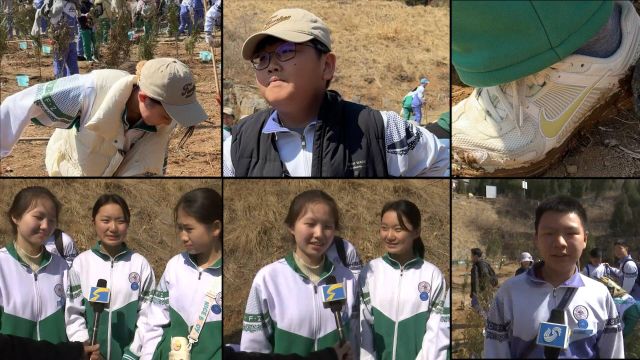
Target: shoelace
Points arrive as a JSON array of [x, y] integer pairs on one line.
[[494, 95]]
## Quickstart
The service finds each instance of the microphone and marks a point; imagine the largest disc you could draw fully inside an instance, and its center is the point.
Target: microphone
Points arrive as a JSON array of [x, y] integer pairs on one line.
[[557, 317], [99, 298], [334, 297]]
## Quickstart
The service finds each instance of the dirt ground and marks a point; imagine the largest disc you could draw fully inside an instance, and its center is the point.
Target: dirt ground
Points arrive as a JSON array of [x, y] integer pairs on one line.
[[609, 148], [200, 156]]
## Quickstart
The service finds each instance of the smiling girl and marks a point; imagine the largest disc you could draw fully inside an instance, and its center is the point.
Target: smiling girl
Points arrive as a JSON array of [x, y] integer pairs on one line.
[[284, 312], [32, 279], [190, 288], [129, 277], [403, 295]]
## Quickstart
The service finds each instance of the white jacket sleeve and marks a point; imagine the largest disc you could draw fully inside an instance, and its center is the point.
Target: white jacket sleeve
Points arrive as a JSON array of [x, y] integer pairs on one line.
[[367, 349], [153, 319], [70, 250], [74, 310], [257, 326], [227, 164], [630, 271], [148, 284], [436, 339], [497, 343], [54, 104], [610, 343], [412, 150]]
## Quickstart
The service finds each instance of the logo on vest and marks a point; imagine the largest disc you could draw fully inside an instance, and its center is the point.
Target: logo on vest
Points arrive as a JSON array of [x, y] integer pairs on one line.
[[58, 290], [188, 90], [580, 312], [217, 307]]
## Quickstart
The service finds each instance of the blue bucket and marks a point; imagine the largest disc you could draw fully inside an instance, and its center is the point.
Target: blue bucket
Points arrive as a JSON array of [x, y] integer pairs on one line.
[[131, 34], [205, 56], [46, 49], [22, 45], [23, 80]]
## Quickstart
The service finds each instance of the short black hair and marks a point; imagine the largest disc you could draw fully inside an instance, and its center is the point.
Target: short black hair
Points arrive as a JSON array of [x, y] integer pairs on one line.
[[595, 252], [621, 242], [562, 204], [477, 252]]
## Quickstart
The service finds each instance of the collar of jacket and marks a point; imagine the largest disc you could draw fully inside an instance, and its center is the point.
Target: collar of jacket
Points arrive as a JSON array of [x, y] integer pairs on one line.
[[215, 266], [106, 257], [327, 266], [415, 262], [46, 256]]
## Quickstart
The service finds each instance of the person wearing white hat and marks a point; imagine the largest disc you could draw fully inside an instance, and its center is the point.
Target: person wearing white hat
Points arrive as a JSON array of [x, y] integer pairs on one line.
[[310, 130], [418, 100], [101, 115], [525, 263]]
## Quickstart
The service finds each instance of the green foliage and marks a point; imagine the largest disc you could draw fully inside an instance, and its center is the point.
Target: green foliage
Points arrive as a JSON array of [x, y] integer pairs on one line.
[[4, 34], [190, 43], [173, 19], [148, 43], [494, 243], [62, 36], [119, 47], [37, 50], [23, 17]]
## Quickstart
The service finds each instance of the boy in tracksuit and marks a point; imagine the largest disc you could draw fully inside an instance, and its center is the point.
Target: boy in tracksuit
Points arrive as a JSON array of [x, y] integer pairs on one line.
[[66, 64], [212, 20], [130, 280], [523, 302]]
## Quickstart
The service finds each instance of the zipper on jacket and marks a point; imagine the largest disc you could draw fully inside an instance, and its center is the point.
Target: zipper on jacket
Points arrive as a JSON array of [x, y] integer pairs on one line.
[[395, 328], [304, 141], [110, 298], [199, 273], [315, 317], [37, 300]]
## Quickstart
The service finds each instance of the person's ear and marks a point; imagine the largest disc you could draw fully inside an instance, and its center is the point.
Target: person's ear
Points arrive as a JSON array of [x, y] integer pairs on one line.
[[216, 229], [142, 97], [329, 66]]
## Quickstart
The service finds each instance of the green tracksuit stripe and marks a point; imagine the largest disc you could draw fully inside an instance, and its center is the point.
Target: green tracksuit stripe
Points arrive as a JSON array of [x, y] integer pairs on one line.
[[286, 342], [52, 327], [409, 338], [123, 327], [208, 347]]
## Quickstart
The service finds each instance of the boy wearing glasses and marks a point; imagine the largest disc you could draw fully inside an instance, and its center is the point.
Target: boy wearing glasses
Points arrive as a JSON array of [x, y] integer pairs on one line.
[[312, 131]]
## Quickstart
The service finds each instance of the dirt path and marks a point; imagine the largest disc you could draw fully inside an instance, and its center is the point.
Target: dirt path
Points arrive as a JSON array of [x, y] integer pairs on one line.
[[201, 156]]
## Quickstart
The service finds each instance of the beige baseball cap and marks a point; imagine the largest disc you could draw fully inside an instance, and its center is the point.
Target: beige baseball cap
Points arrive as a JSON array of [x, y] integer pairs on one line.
[[170, 81], [295, 25]]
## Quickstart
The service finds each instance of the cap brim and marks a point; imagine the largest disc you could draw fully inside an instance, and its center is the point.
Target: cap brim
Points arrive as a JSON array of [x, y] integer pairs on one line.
[[186, 115], [249, 47]]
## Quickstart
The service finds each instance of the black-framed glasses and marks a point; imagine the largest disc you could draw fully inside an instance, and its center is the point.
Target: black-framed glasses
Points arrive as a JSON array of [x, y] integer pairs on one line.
[[284, 52]]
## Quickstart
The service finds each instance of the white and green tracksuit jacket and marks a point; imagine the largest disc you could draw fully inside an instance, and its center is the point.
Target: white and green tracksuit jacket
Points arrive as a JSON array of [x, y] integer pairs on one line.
[[400, 310], [32, 304], [130, 280], [285, 313], [176, 305]]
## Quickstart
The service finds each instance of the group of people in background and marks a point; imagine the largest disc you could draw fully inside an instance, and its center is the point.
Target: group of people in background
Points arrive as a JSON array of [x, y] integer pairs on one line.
[[143, 317], [83, 17]]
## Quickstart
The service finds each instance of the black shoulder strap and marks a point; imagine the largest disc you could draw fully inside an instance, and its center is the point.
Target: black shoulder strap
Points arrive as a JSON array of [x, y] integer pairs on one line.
[[57, 234], [342, 253], [563, 303]]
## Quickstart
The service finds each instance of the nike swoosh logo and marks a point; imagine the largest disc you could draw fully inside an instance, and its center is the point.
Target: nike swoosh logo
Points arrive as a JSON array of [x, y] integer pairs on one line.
[[551, 128]]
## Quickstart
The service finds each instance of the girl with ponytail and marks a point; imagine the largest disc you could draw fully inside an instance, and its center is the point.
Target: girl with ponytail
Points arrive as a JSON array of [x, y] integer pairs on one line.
[[403, 292]]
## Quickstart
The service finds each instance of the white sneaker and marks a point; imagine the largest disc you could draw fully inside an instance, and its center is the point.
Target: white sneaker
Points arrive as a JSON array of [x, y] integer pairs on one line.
[[520, 128]]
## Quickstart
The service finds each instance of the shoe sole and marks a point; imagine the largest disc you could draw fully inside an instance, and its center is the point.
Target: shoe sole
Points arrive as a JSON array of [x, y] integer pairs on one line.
[[622, 98]]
